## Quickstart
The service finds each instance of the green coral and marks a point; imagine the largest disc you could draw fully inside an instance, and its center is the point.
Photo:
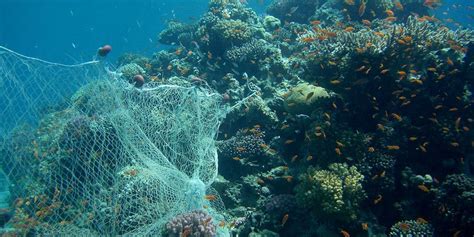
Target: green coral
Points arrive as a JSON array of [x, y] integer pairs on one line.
[[411, 228], [335, 192], [303, 97]]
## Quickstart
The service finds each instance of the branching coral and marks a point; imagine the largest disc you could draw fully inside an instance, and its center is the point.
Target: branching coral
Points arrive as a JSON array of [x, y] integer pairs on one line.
[[335, 192]]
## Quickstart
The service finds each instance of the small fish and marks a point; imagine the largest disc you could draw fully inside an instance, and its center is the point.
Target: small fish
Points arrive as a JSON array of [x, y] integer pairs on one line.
[[284, 219], [210, 197], [396, 117], [310, 157], [293, 159], [221, 224], [338, 151], [366, 22], [399, 5], [349, 29], [389, 13], [377, 199], [371, 149], [365, 226], [421, 220], [349, 2], [345, 233], [309, 95], [412, 139], [393, 147], [423, 188], [289, 141], [404, 226], [362, 7]]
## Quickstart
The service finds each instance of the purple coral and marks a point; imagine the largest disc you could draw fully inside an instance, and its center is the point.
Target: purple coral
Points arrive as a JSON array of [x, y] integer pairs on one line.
[[196, 223]]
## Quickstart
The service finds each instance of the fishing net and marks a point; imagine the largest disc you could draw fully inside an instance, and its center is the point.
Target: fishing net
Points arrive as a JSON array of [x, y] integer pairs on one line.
[[87, 153]]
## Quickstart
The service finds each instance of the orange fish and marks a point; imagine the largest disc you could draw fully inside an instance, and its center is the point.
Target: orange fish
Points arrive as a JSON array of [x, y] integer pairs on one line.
[[210, 197], [362, 7], [389, 13], [420, 220], [366, 22], [393, 147], [284, 219], [221, 224], [399, 5], [449, 61], [338, 151], [396, 117], [345, 233], [377, 199], [365, 226], [349, 2], [423, 188], [349, 29], [431, 4]]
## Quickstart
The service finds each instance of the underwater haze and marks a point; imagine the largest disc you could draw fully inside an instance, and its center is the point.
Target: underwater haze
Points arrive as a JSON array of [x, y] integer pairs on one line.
[[219, 118]]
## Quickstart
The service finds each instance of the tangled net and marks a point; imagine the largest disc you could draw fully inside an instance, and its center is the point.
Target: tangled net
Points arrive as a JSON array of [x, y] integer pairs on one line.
[[89, 154]]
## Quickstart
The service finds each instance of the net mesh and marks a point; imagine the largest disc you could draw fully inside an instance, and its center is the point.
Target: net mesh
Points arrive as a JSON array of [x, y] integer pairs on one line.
[[89, 154]]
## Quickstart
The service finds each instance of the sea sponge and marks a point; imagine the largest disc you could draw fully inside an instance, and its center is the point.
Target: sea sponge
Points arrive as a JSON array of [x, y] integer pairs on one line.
[[303, 97], [335, 193]]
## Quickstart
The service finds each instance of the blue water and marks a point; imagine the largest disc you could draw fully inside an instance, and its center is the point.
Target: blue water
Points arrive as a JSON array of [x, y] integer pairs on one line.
[[68, 31]]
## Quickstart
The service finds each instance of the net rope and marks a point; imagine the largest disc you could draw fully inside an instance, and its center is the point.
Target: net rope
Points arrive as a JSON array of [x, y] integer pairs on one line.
[[87, 153]]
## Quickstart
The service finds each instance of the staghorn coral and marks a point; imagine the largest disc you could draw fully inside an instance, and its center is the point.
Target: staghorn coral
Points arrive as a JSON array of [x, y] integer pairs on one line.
[[335, 192], [194, 223], [411, 228]]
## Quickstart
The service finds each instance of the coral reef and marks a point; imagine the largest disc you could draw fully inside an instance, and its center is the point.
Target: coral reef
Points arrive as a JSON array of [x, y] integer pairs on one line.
[[343, 118]]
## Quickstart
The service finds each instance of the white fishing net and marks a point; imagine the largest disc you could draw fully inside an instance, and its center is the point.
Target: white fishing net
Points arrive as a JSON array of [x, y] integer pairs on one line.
[[87, 153]]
